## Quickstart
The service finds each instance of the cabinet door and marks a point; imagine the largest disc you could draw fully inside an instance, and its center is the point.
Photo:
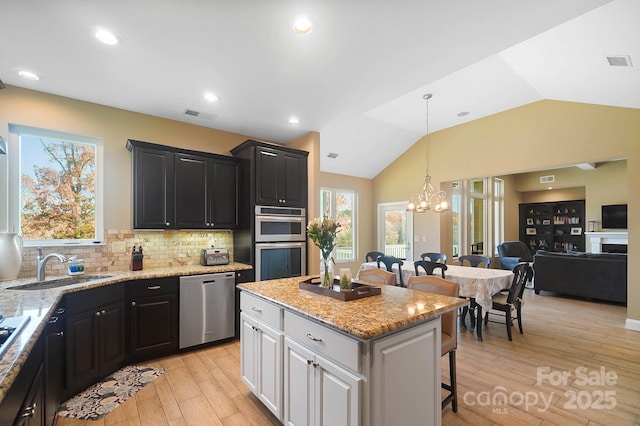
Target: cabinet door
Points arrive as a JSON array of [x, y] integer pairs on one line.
[[248, 352], [32, 412], [223, 200], [111, 331], [82, 351], [268, 177], [54, 357], [153, 197], [153, 326], [337, 395], [294, 180], [270, 368], [298, 384], [191, 191]]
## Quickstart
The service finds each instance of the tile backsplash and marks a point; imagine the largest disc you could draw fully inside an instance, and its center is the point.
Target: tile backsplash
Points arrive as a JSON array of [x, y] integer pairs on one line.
[[160, 248]]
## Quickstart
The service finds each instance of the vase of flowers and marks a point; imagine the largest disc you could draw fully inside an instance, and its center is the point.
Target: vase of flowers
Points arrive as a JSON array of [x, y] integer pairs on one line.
[[322, 231]]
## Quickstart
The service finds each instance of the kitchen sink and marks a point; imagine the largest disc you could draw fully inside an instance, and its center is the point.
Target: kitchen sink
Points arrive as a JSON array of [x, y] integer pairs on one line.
[[61, 282]]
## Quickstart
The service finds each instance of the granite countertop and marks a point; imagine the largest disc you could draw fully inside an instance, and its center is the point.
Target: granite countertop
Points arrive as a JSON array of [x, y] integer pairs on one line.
[[364, 319], [39, 306]]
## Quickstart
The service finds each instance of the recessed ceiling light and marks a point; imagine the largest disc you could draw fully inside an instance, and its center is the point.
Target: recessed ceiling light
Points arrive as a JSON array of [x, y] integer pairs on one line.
[[463, 114], [294, 120], [211, 97], [302, 25], [107, 37], [28, 75]]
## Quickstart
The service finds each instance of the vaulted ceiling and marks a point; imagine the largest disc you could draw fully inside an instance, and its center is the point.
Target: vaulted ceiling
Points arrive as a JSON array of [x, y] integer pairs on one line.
[[357, 78]]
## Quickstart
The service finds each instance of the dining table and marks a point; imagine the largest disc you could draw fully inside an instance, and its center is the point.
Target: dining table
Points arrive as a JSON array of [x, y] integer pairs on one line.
[[477, 284]]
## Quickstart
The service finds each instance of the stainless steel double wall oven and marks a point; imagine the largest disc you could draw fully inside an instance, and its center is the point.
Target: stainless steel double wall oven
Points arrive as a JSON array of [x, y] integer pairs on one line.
[[280, 242]]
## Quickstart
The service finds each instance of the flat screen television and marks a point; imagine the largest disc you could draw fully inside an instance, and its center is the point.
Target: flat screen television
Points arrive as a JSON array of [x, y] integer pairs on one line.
[[614, 216]]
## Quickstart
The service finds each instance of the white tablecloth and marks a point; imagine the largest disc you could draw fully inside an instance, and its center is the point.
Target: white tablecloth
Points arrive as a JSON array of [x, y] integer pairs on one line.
[[479, 283]]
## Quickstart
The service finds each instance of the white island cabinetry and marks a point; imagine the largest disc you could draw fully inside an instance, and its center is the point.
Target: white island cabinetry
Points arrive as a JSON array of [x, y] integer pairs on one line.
[[367, 362], [261, 351]]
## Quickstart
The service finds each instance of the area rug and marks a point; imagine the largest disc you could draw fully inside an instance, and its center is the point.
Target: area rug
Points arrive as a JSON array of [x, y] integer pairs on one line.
[[101, 398]]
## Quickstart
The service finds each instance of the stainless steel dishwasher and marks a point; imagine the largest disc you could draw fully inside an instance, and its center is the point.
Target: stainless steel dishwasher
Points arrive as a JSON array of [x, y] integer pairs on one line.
[[207, 308]]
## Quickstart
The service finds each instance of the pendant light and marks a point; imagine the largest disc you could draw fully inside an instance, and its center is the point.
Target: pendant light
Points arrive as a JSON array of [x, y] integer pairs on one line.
[[428, 197]]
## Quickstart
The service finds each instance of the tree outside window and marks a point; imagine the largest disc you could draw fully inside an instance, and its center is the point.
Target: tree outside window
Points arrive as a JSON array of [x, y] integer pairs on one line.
[[340, 204], [57, 193]]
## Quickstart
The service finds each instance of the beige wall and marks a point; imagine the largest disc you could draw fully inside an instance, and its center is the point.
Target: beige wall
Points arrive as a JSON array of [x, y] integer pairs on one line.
[[539, 136], [115, 126]]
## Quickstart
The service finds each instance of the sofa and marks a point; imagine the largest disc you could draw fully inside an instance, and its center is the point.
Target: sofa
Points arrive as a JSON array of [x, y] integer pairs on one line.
[[589, 275], [513, 252]]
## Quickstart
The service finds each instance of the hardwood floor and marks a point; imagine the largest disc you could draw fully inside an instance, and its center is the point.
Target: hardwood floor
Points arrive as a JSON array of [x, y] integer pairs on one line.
[[561, 336]]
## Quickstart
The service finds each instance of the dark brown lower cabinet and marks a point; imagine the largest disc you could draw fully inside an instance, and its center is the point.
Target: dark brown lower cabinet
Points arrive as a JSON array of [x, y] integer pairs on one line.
[[153, 315], [95, 338], [23, 404], [54, 364]]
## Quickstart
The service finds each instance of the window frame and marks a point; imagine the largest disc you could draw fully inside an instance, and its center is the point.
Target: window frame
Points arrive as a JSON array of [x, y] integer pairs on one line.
[[16, 131], [354, 219]]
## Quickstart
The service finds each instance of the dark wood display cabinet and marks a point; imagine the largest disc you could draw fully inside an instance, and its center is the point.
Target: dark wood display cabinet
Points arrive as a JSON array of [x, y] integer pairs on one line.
[[153, 317], [95, 335], [277, 176], [553, 226], [183, 189]]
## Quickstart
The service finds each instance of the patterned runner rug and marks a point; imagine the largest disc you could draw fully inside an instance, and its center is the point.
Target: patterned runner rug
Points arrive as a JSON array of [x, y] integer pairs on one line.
[[101, 398]]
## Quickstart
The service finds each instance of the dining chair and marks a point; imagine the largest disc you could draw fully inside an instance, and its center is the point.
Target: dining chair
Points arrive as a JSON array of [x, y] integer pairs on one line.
[[372, 256], [378, 276], [434, 257], [449, 329], [429, 267], [475, 260], [509, 299], [388, 262]]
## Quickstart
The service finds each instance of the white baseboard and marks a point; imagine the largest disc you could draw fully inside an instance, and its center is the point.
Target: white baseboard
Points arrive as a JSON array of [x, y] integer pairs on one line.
[[632, 324]]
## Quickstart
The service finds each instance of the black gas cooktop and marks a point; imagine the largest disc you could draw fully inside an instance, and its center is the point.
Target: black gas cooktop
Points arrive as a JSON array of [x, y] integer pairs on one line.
[[10, 327]]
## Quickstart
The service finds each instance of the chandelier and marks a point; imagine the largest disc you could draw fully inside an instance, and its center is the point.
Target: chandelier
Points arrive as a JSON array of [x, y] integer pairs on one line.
[[427, 196]]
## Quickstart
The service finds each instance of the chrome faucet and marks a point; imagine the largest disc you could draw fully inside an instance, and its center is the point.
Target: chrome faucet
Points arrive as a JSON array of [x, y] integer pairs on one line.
[[42, 262]]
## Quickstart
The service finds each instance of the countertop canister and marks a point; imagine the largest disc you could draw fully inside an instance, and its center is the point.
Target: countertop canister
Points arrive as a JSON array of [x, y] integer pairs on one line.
[[10, 255]]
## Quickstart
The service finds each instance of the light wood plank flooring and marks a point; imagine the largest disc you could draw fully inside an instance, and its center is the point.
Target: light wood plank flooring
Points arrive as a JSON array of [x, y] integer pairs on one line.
[[203, 387]]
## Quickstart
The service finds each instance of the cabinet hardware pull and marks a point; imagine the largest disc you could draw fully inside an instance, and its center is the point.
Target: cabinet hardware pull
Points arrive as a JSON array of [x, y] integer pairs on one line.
[[53, 320], [153, 287], [309, 362], [315, 339], [133, 303], [61, 334], [167, 223], [97, 314], [253, 308], [208, 282], [104, 311], [60, 311], [30, 410]]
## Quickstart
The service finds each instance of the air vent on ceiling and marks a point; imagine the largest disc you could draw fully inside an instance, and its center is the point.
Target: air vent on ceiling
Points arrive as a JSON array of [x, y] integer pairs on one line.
[[332, 155], [203, 115], [547, 179], [619, 61]]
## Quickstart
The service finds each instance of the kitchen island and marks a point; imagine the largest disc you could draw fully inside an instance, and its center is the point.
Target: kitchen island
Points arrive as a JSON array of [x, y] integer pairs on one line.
[[312, 359]]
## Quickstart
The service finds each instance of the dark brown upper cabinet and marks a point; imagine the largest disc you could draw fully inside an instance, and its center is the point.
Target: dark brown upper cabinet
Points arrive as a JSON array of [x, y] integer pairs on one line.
[[181, 189]]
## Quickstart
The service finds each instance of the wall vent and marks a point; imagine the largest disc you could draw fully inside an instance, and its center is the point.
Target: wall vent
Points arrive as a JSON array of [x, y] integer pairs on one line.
[[547, 179], [619, 61], [332, 155], [203, 115]]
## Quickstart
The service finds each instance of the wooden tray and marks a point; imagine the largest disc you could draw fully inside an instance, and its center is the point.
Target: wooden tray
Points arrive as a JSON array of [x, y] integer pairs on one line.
[[358, 291]]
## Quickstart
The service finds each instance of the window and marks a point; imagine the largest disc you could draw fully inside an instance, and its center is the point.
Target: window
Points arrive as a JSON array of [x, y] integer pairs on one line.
[[478, 216], [55, 186], [340, 204]]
